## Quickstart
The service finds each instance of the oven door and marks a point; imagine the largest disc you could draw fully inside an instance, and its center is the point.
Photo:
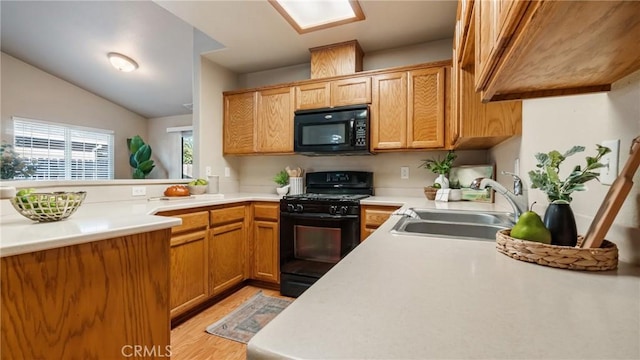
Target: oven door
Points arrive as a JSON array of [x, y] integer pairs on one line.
[[310, 244], [319, 240]]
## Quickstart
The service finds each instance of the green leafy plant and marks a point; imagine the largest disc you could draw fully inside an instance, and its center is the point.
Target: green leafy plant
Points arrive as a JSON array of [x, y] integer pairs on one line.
[[281, 178], [12, 164], [546, 177], [440, 166], [140, 157]]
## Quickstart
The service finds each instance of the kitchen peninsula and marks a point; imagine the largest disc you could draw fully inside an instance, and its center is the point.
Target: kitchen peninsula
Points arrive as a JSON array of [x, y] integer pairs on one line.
[[95, 285]]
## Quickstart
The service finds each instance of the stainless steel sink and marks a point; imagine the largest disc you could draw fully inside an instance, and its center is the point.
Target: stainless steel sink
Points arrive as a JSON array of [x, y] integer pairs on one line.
[[460, 216], [447, 229], [454, 224]]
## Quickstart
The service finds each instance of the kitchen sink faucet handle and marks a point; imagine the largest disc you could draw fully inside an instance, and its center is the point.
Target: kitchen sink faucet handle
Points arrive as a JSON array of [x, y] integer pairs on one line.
[[517, 182]]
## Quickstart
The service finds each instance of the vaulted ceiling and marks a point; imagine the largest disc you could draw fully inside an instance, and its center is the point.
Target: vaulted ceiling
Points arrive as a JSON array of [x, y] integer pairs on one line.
[[70, 39]]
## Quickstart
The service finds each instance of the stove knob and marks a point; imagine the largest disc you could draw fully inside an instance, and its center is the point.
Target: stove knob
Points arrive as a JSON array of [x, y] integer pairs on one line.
[[344, 210], [291, 208], [299, 208], [333, 209]]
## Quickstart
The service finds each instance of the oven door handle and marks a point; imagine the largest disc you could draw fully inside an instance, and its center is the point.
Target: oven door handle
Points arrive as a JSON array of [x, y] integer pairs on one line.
[[319, 216]]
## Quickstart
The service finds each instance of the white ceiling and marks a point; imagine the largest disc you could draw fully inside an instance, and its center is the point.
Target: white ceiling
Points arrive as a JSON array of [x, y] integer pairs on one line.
[[70, 39]]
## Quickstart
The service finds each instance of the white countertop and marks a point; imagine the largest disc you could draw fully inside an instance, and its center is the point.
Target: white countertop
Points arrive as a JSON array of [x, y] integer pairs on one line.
[[104, 220], [99, 221], [414, 297]]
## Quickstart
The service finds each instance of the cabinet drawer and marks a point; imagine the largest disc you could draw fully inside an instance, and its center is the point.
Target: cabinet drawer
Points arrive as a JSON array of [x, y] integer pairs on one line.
[[192, 221], [266, 211], [376, 217], [221, 216]]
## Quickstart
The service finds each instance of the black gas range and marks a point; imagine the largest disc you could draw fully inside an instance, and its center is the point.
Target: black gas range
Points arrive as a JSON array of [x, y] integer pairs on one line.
[[320, 227]]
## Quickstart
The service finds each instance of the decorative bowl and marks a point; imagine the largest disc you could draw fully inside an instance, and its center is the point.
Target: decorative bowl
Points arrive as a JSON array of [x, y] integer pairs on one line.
[[197, 189], [47, 207]]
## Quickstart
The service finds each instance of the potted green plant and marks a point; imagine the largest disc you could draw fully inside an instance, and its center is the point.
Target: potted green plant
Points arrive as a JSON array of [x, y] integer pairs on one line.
[[140, 157], [282, 179], [441, 167], [558, 217]]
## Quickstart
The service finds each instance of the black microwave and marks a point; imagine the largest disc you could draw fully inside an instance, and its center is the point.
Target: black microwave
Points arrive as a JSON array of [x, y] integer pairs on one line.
[[332, 131]]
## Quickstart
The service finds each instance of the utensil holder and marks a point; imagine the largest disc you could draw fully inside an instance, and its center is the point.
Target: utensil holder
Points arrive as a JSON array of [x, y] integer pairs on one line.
[[297, 187]]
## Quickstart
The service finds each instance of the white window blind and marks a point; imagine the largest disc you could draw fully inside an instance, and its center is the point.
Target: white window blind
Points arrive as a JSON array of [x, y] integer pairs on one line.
[[64, 152]]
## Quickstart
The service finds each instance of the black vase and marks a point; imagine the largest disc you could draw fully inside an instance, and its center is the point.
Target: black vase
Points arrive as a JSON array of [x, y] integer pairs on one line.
[[560, 221]]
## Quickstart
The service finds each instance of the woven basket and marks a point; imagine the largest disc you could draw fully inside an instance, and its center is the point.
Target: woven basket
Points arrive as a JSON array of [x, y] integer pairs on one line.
[[430, 192], [564, 257], [47, 207]]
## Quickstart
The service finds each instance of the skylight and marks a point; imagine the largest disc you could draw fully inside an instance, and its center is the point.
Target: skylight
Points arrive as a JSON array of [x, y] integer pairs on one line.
[[311, 15]]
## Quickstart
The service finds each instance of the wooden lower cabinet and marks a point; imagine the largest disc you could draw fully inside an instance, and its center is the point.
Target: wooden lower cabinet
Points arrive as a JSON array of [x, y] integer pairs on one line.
[[189, 284], [372, 216], [266, 238], [219, 247], [227, 248], [189, 271]]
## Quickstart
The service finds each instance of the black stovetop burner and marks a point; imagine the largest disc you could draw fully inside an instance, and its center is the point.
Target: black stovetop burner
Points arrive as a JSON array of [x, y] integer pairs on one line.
[[326, 197]]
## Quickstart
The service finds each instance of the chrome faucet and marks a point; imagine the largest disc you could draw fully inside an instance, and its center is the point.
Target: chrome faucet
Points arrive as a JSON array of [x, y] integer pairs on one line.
[[517, 199]]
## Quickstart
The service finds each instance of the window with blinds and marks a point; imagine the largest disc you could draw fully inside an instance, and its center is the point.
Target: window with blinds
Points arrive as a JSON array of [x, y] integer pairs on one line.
[[64, 152]]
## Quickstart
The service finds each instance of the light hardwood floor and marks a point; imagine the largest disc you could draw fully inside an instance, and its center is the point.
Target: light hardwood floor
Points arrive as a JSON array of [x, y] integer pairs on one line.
[[189, 341]]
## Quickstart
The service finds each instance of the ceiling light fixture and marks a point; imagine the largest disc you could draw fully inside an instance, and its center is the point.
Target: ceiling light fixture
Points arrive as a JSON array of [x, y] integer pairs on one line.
[[312, 15], [121, 62]]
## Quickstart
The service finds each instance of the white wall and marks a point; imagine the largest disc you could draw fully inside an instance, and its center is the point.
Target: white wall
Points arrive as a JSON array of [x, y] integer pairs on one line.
[[32, 93], [167, 147], [257, 172], [207, 123], [402, 56], [409, 55], [559, 123]]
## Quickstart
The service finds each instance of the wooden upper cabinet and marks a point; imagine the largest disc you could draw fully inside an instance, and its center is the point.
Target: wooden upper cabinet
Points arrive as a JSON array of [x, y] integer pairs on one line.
[[313, 96], [426, 108], [495, 22], [527, 49], [389, 111], [239, 123], [408, 109], [352, 91], [336, 59], [275, 120]]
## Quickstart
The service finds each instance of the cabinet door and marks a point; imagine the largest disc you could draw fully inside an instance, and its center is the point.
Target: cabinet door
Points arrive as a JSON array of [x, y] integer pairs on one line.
[[313, 96], [239, 123], [227, 256], [389, 111], [275, 120], [189, 271], [351, 91], [496, 21], [425, 125], [266, 240]]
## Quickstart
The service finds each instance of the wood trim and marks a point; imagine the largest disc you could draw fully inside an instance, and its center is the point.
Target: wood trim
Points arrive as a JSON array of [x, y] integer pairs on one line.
[[544, 93], [359, 15]]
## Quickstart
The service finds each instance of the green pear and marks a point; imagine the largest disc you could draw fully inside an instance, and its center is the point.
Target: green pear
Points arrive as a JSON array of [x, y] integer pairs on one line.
[[530, 227]]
